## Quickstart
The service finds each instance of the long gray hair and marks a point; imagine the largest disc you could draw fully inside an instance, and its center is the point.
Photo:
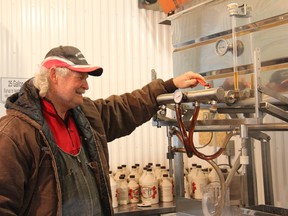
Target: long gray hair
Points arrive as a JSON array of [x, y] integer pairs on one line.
[[41, 79]]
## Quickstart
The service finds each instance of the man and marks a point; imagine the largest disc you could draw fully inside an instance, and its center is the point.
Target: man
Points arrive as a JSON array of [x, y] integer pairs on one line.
[[53, 141]]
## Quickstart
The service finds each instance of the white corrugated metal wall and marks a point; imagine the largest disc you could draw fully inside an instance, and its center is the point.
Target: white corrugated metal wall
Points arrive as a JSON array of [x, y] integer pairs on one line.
[[126, 41]]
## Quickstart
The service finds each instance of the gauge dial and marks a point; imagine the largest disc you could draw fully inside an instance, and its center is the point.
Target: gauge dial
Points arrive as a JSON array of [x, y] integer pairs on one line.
[[178, 96], [222, 47]]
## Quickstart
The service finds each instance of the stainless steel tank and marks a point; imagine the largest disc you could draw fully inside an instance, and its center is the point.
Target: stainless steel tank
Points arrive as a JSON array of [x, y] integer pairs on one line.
[[242, 48]]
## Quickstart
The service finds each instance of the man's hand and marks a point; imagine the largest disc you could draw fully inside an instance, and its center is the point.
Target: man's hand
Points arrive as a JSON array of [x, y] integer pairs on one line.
[[188, 80]]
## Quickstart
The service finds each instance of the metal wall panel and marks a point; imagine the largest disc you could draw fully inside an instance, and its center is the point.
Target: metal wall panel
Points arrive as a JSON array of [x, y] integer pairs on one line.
[[126, 41]]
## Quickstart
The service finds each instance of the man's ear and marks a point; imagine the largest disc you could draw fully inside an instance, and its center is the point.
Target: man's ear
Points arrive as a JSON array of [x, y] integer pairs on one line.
[[52, 74]]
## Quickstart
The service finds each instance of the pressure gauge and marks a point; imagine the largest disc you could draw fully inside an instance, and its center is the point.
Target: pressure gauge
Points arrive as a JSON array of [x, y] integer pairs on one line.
[[178, 96], [222, 47]]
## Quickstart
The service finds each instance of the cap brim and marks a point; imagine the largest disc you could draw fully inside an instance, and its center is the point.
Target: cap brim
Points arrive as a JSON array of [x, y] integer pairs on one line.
[[59, 62], [91, 70]]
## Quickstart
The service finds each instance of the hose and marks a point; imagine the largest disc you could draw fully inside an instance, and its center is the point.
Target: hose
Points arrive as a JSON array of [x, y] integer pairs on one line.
[[221, 199], [188, 140], [184, 137]]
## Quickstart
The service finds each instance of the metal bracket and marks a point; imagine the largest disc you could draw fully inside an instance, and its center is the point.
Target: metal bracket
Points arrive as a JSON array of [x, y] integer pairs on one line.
[[258, 135], [274, 110], [273, 94], [235, 9]]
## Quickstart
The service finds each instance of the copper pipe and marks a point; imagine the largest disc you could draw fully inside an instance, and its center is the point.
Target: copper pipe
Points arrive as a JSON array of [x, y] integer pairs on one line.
[[185, 138], [188, 141], [193, 122], [179, 136], [181, 150]]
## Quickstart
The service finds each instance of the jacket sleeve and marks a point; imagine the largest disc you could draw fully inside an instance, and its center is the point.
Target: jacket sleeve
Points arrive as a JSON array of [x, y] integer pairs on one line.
[[16, 163], [121, 114]]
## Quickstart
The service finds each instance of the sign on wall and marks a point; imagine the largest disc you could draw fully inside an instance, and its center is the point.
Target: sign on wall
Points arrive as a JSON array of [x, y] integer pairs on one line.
[[10, 86]]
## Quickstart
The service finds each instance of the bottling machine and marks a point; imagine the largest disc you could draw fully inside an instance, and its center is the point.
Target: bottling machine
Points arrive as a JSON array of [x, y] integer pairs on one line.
[[241, 49]]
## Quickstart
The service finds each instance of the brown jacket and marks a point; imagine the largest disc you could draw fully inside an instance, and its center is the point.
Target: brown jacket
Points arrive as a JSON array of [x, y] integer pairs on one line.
[[30, 177]]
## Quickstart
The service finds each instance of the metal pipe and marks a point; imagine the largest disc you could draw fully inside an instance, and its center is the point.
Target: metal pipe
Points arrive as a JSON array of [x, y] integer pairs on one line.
[[244, 159], [257, 83], [231, 127], [251, 127], [268, 127], [201, 96], [267, 172], [170, 152]]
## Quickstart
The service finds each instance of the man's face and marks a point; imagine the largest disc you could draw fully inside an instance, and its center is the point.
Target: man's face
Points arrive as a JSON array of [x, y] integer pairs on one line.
[[69, 89]]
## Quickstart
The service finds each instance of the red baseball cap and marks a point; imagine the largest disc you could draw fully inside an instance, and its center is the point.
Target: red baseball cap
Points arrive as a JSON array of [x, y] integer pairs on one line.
[[71, 58]]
